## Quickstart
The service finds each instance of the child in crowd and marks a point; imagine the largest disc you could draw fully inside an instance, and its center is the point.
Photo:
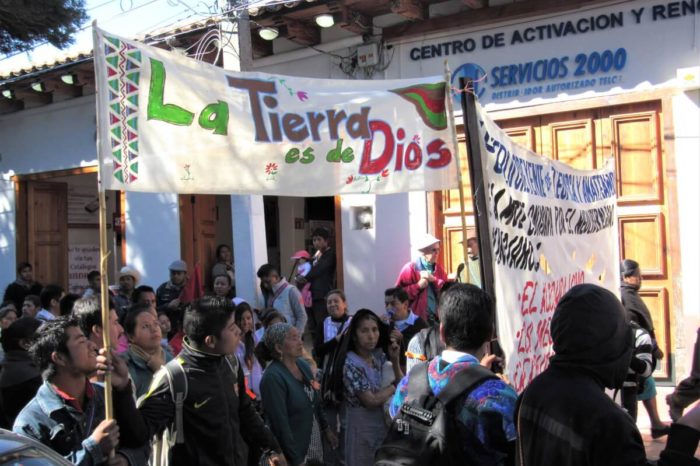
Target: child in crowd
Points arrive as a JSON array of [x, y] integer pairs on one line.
[[165, 328], [303, 267], [268, 317]]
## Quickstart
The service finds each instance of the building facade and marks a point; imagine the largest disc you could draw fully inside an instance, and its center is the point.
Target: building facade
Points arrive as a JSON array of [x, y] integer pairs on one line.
[[586, 83]]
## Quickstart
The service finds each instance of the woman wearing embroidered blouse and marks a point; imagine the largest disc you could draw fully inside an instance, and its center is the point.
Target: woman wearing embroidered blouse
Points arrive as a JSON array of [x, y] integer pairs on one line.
[[365, 392], [290, 398]]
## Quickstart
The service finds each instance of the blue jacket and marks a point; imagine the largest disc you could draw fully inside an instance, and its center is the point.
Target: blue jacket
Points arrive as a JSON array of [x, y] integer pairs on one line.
[[139, 371], [48, 419]]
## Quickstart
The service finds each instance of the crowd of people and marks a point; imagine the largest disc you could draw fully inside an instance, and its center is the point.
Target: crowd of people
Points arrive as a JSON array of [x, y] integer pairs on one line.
[[211, 380]]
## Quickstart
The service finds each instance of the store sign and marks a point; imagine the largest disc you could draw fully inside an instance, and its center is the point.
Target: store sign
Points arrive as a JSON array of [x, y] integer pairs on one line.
[[599, 50], [168, 123], [551, 227]]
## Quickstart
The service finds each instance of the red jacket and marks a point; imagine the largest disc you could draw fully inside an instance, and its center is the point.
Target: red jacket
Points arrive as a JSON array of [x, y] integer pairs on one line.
[[408, 280]]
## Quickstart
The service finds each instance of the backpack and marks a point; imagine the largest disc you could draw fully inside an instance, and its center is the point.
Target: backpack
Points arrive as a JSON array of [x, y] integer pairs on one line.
[[177, 382], [425, 431], [332, 376], [429, 340]]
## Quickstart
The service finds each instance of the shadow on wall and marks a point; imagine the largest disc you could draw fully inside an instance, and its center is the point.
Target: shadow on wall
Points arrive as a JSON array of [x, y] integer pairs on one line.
[[152, 234], [374, 256], [7, 232]]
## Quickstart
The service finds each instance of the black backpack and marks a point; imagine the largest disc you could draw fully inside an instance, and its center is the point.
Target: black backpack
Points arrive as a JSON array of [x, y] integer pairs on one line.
[[424, 432], [332, 376], [429, 340]]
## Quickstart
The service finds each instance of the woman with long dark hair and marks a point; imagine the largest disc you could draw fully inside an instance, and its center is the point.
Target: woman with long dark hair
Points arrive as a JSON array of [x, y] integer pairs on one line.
[[365, 391], [252, 370]]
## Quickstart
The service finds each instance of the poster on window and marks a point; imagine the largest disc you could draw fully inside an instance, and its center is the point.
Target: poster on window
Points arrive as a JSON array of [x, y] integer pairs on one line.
[[82, 259]]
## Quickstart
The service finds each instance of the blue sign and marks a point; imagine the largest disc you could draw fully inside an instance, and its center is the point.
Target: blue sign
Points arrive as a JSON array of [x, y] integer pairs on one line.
[[544, 76]]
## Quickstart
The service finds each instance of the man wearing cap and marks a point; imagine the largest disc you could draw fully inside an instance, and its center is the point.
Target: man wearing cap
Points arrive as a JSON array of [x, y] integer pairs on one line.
[[128, 279], [423, 279], [168, 294]]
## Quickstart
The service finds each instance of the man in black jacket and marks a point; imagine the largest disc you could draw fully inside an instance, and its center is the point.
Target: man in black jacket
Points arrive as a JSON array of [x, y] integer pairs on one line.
[[217, 412], [564, 415], [322, 279]]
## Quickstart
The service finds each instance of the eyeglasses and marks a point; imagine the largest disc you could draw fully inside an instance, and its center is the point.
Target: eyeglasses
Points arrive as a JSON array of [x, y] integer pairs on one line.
[[435, 250]]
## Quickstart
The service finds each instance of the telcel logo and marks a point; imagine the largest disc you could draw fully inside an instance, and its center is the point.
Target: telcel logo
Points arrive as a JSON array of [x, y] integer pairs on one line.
[[475, 73]]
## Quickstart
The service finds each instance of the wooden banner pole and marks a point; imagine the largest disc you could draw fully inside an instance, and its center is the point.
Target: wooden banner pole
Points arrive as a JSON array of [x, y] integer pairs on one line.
[[460, 183], [476, 175], [104, 250], [104, 298]]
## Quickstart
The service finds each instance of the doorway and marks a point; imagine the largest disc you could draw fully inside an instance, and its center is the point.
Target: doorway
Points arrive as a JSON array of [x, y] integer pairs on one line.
[[57, 220]]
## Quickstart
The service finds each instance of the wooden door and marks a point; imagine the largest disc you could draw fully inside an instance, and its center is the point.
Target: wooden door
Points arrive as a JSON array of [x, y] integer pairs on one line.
[[585, 139], [47, 231], [633, 133], [198, 219]]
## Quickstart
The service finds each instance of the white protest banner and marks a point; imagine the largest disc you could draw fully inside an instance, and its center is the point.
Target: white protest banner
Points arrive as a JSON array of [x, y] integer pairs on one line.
[[168, 123], [551, 227]]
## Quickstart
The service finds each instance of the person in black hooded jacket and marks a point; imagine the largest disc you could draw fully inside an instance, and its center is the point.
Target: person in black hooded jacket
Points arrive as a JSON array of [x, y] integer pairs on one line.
[[638, 312], [564, 416]]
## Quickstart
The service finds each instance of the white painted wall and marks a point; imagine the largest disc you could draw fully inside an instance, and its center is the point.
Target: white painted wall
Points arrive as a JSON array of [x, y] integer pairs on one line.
[[686, 122], [249, 246], [62, 136], [152, 234], [53, 137], [8, 243], [373, 258], [291, 239]]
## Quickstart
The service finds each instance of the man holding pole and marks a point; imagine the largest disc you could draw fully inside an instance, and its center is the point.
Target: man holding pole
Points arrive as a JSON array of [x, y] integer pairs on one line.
[[68, 412]]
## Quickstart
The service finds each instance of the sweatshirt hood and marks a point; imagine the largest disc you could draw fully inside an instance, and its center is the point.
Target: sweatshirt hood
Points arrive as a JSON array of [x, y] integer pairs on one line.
[[590, 333]]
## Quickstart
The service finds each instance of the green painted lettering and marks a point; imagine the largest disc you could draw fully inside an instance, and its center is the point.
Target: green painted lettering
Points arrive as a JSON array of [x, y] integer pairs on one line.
[[157, 110], [215, 116], [292, 155], [308, 155]]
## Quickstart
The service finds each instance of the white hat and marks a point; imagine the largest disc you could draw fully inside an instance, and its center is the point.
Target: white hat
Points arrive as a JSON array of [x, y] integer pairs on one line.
[[426, 241], [129, 271]]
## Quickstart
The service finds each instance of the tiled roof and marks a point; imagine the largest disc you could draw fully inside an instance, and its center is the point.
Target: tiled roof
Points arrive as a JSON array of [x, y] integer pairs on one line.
[[85, 55], [38, 68]]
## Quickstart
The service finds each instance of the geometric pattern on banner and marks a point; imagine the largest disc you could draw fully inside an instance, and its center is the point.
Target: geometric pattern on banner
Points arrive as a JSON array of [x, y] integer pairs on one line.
[[123, 69]]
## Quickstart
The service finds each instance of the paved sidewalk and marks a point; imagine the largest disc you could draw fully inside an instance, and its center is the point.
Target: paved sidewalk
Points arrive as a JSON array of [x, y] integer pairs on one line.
[[654, 447]]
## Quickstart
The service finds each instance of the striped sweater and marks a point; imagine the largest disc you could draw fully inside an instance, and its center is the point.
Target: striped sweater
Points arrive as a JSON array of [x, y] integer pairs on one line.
[[642, 364]]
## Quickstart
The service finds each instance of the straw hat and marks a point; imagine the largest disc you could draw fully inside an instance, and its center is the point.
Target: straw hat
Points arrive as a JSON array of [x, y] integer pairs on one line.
[[130, 272]]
